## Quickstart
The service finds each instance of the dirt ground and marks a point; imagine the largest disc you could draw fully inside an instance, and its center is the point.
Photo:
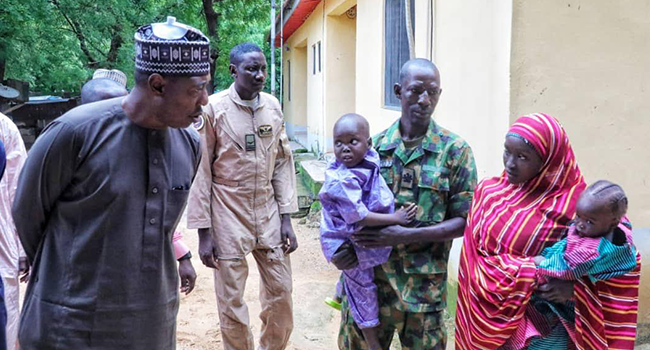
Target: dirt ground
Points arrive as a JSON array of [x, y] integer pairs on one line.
[[315, 324]]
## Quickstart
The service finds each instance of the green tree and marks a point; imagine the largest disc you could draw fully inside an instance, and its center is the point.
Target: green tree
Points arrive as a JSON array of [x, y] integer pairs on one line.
[[240, 21], [55, 45]]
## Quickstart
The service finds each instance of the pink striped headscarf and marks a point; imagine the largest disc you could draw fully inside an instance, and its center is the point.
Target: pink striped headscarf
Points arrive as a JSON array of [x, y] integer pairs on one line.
[[507, 226]]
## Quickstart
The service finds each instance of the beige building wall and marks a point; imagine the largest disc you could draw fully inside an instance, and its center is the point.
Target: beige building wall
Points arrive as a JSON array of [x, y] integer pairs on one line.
[[315, 92], [585, 62], [471, 46], [472, 51], [474, 61], [310, 98], [295, 91], [370, 66], [320, 97], [581, 61], [340, 60], [371, 54]]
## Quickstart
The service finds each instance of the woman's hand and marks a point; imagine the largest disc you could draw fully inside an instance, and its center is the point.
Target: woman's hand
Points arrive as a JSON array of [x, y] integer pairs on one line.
[[558, 291]]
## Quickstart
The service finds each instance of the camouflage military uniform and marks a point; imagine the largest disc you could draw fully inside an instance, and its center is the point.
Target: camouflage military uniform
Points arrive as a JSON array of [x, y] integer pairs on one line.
[[439, 176]]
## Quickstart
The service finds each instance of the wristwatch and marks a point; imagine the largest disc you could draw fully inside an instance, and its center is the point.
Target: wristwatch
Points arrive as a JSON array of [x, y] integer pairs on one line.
[[186, 256]]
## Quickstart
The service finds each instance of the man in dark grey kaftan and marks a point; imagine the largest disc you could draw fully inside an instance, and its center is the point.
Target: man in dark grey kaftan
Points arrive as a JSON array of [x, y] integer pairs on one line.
[[99, 197]]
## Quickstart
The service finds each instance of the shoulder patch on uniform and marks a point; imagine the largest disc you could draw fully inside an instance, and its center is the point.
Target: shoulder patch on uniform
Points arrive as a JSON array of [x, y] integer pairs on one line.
[[198, 125]]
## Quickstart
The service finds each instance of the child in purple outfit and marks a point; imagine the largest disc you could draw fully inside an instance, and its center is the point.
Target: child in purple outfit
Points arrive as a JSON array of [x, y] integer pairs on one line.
[[354, 196]]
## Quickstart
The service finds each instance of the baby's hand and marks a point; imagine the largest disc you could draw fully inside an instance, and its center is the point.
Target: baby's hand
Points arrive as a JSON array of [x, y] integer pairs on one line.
[[406, 214], [538, 260]]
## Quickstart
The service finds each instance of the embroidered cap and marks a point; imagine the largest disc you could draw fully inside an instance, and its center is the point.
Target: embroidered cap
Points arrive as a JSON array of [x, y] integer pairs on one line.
[[113, 74], [171, 48]]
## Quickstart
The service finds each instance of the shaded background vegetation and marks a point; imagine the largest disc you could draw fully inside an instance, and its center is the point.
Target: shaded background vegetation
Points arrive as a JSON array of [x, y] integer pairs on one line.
[[55, 45]]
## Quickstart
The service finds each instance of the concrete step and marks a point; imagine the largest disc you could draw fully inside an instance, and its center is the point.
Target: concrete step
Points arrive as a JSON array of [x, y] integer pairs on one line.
[[310, 178], [305, 197], [312, 173], [299, 157], [297, 148]]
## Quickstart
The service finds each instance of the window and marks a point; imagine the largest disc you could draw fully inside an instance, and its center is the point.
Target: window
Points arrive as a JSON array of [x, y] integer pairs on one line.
[[313, 49], [289, 80], [319, 56], [396, 46]]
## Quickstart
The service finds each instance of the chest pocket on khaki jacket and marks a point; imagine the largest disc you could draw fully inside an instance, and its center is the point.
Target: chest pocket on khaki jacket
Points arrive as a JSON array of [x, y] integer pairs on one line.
[[229, 155]]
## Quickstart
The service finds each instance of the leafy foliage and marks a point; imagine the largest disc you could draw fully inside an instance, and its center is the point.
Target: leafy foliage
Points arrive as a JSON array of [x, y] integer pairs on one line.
[[240, 21], [55, 45]]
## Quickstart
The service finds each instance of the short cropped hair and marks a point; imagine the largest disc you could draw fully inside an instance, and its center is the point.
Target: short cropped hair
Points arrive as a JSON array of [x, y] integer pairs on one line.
[[238, 51], [101, 89], [416, 62]]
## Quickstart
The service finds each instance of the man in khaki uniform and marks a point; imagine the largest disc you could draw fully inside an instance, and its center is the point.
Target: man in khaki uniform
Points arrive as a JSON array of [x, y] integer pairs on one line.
[[241, 199]]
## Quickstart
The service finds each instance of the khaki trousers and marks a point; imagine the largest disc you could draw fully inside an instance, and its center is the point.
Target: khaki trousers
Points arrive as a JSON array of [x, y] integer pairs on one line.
[[275, 297]]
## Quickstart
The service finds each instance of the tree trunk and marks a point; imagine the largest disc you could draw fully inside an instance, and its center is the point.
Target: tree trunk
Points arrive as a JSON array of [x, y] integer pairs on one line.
[[116, 43], [3, 63], [76, 28], [212, 20]]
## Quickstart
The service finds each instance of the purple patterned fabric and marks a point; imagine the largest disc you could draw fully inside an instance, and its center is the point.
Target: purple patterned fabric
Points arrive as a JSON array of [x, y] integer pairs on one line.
[[347, 196]]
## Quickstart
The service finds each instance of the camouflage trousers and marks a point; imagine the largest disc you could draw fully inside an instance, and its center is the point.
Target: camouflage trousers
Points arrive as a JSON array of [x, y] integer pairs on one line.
[[417, 331]]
